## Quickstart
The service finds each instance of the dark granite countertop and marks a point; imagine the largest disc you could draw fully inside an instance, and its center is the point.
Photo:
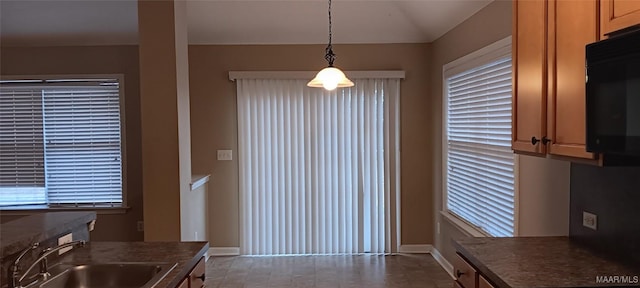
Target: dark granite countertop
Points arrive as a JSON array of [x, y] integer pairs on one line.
[[16, 235], [185, 254], [540, 262]]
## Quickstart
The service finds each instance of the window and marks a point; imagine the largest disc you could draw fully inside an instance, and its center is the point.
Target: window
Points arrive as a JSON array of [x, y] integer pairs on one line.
[[60, 142], [479, 169]]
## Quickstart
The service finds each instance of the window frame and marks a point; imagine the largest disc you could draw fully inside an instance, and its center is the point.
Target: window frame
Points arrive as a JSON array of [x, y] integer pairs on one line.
[[485, 55], [28, 209]]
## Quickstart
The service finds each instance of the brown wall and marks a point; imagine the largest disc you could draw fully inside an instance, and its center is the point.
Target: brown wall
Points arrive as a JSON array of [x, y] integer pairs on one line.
[[95, 60], [542, 185], [213, 119], [214, 125]]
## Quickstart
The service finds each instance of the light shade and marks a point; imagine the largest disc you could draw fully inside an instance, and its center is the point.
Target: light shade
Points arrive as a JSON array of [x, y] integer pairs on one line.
[[330, 78]]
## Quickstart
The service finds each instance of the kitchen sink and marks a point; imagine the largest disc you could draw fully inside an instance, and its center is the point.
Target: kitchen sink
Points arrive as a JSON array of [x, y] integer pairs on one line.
[[107, 275]]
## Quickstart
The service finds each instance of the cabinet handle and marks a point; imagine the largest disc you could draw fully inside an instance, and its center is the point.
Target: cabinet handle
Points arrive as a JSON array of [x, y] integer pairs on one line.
[[545, 140], [201, 277], [534, 140], [459, 273]]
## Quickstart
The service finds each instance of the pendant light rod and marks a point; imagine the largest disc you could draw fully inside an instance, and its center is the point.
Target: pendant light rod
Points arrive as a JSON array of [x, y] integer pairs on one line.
[[329, 55]]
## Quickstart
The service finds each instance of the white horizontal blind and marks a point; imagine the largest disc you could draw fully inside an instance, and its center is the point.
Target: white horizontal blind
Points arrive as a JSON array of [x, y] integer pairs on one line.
[[21, 147], [480, 162], [313, 176], [82, 133], [60, 142]]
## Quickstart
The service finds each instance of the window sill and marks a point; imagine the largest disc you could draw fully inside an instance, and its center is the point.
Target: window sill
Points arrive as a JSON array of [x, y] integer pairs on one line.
[[464, 226], [33, 209]]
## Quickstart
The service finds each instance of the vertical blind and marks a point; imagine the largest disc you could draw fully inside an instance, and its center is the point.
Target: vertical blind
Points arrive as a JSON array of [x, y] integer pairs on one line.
[[313, 176], [61, 142], [480, 162]]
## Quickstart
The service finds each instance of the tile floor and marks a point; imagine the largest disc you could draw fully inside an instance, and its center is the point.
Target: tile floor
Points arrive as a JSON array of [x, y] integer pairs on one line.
[[415, 270]]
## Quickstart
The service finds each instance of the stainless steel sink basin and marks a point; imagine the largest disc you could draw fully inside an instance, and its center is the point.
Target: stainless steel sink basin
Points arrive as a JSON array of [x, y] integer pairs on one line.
[[107, 275]]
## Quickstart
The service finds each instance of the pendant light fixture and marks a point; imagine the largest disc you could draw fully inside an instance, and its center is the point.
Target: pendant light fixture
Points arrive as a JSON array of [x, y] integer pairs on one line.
[[331, 77]]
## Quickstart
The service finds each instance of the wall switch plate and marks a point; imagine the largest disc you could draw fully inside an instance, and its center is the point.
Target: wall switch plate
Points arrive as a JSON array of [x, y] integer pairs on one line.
[[140, 226], [64, 240], [225, 155], [589, 220]]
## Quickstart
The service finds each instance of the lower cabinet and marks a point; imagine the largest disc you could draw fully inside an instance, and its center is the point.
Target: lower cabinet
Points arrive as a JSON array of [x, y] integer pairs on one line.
[[483, 283], [184, 283], [467, 276], [195, 279]]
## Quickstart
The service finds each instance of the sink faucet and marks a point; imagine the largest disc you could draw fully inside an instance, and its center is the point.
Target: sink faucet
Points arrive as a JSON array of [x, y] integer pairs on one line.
[[14, 268], [16, 279]]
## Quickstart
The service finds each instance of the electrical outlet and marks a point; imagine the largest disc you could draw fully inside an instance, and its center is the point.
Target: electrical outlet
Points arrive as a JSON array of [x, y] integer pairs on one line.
[[140, 226], [225, 155], [589, 220], [64, 240]]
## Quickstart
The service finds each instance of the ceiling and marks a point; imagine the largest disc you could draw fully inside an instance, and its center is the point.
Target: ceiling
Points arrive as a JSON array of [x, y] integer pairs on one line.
[[102, 22]]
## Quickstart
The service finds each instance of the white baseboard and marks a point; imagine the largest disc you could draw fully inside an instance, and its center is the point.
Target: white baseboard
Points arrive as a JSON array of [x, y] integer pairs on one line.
[[427, 248], [224, 251], [442, 261], [415, 248]]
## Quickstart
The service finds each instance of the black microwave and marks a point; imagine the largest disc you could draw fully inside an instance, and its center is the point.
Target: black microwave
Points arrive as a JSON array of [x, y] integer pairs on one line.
[[613, 95]]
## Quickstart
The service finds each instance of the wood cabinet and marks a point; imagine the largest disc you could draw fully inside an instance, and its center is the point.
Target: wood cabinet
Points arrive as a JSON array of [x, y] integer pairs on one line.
[[184, 283], [467, 276], [529, 75], [549, 75], [484, 283], [197, 275], [618, 14], [571, 26]]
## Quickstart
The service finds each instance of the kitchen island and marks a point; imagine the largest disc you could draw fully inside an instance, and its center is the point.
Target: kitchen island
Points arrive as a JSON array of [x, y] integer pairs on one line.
[[520, 262]]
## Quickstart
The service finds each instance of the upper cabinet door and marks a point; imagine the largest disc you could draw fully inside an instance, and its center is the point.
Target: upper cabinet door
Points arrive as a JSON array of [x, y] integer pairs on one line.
[[618, 14], [572, 25], [529, 76]]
